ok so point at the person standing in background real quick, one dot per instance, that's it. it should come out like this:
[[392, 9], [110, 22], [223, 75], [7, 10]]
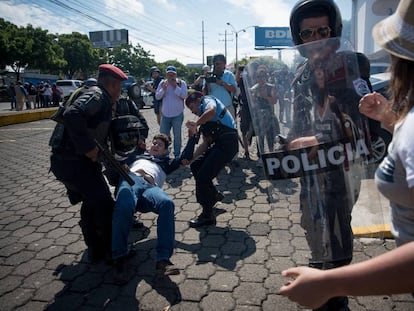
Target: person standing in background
[[12, 95], [47, 95], [21, 95], [156, 77], [246, 126], [222, 83], [32, 95], [200, 81], [172, 91], [56, 95]]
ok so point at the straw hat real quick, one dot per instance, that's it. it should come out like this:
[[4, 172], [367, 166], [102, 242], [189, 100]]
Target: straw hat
[[396, 32]]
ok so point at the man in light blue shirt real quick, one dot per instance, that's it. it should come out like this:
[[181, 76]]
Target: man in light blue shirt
[[172, 92], [222, 84]]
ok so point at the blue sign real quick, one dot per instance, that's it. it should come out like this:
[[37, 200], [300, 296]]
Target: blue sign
[[272, 37]]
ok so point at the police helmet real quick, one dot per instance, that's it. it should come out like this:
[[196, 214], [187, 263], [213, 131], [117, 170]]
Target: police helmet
[[314, 8], [154, 69], [124, 135], [134, 91], [91, 82]]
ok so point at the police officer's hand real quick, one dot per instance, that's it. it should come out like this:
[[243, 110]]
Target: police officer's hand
[[192, 126], [93, 154], [142, 145], [302, 142], [185, 162], [192, 131], [125, 167]]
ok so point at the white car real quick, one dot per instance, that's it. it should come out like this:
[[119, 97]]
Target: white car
[[146, 97], [68, 86]]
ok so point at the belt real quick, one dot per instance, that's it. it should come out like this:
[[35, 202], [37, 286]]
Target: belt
[[147, 177]]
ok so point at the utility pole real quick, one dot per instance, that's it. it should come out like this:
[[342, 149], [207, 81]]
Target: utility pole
[[236, 33], [225, 42]]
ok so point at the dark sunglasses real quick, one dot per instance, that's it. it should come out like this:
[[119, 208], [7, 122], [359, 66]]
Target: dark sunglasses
[[307, 33]]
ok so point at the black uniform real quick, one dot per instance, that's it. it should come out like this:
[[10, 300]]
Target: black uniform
[[86, 119]]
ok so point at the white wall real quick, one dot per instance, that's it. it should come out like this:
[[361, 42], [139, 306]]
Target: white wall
[[365, 14]]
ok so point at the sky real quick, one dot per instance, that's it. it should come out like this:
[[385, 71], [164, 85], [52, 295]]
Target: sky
[[168, 29]]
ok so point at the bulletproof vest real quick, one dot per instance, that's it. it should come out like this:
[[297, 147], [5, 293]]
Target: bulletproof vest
[[59, 139], [127, 127], [128, 107]]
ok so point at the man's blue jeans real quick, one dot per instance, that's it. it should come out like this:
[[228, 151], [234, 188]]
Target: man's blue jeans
[[176, 123], [142, 197]]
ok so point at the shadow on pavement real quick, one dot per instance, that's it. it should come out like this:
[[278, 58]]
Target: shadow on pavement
[[221, 246], [92, 285]]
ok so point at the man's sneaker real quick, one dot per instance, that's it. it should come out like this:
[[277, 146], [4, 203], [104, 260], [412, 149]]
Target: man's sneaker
[[166, 267]]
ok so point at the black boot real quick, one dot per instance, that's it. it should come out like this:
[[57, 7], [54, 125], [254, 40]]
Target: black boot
[[96, 253], [205, 219], [335, 304]]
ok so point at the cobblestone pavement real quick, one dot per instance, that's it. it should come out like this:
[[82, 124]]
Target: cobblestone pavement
[[233, 266]]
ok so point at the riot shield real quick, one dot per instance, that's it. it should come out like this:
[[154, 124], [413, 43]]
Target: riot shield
[[304, 109]]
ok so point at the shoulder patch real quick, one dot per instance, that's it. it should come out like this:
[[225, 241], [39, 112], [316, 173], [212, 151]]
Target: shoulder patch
[[361, 87]]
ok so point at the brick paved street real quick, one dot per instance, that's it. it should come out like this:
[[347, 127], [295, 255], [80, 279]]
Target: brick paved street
[[233, 266]]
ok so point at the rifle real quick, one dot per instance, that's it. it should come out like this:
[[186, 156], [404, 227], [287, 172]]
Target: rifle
[[113, 163]]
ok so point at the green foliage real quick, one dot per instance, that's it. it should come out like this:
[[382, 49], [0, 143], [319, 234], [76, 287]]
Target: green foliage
[[132, 60], [73, 56], [7, 29], [78, 52]]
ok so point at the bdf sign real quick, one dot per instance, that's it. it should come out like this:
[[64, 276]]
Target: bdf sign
[[272, 37]]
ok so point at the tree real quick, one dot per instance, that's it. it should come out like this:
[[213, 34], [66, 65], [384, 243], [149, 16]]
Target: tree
[[79, 54], [133, 60], [18, 49], [28, 47], [46, 54], [7, 29]]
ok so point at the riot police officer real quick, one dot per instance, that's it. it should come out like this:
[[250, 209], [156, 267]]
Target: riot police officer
[[325, 109], [74, 158]]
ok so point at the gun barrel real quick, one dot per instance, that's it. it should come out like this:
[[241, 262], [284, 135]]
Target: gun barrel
[[110, 160]]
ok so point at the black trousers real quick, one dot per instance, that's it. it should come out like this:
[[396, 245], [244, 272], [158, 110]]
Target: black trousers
[[84, 182], [208, 166]]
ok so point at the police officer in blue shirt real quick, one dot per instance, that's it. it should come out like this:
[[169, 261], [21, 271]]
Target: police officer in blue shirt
[[219, 146]]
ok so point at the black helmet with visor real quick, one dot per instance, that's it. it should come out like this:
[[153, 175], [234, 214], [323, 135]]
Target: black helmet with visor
[[315, 8]]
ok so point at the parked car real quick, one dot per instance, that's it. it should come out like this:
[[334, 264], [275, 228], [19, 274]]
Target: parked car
[[380, 137], [378, 68], [146, 97], [68, 86]]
